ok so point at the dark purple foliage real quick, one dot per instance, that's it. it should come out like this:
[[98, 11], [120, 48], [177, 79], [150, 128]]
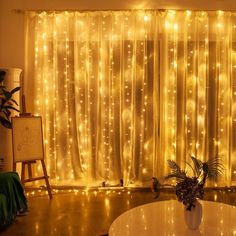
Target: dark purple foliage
[[188, 190]]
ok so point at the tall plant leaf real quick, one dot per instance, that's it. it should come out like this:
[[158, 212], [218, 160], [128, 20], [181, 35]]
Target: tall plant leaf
[[213, 168], [7, 113], [175, 171], [2, 75], [197, 165], [6, 102], [7, 94], [6, 123], [190, 166], [14, 101], [15, 90], [11, 108]]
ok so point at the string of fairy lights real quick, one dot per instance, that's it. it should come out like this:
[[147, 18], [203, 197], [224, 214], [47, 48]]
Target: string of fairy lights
[[121, 92]]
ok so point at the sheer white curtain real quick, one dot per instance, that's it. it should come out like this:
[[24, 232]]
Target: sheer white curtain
[[121, 92]]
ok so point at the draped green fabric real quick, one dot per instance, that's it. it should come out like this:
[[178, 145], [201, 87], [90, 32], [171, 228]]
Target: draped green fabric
[[12, 198]]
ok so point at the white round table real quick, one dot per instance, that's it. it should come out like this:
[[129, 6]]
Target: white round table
[[167, 218]]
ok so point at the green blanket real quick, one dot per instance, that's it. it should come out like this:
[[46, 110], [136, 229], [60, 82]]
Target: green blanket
[[12, 198]]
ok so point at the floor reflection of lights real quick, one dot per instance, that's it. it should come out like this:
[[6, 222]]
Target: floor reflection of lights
[[73, 211]]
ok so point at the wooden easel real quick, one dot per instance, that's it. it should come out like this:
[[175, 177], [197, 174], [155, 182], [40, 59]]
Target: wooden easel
[[28, 161], [30, 176]]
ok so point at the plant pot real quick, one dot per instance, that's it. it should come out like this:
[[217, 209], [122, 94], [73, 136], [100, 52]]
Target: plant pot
[[193, 218]]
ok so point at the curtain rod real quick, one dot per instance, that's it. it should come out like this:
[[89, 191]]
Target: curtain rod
[[135, 9]]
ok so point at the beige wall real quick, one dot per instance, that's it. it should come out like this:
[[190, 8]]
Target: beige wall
[[12, 23]]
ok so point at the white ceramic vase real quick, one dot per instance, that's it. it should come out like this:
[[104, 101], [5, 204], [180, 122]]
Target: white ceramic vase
[[193, 218]]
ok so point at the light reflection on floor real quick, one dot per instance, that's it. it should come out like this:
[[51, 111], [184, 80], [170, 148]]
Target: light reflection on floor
[[89, 211]]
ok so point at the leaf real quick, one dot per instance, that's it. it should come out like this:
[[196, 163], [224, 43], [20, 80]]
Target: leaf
[[197, 165], [6, 102], [7, 113], [213, 168], [7, 94], [2, 75], [15, 90], [190, 167], [13, 100], [173, 165], [11, 107], [176, 171], [6, 123]]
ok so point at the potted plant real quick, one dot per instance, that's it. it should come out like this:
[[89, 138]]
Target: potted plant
[[190, 188], [7, 103]]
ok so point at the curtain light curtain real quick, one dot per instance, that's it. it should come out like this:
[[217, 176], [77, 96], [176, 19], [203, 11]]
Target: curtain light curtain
[[121, 92]]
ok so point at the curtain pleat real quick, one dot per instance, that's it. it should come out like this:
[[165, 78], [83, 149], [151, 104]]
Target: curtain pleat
[[121, 92]]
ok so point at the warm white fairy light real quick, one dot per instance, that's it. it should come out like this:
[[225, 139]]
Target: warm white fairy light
[[170, 86], [67, 114], [223, 81], [107, 63], [143, 106], [201, 80], [190, 85]]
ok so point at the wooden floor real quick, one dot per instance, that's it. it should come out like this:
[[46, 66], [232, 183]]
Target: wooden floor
[[87, 213]]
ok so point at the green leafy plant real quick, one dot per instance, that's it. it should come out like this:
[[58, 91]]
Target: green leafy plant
[[189, 188], [7, 103]]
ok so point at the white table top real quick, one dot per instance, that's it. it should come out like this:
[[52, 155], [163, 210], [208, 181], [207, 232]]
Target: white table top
[[167, 218]]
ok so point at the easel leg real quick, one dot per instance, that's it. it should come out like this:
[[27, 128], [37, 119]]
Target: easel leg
[[14, 166], [23, 174], [46, 179], [29, 170]]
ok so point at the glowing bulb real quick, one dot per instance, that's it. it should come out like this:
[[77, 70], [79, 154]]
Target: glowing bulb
[[167, 24], [188, 13], [175, 26], [145, 18]]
